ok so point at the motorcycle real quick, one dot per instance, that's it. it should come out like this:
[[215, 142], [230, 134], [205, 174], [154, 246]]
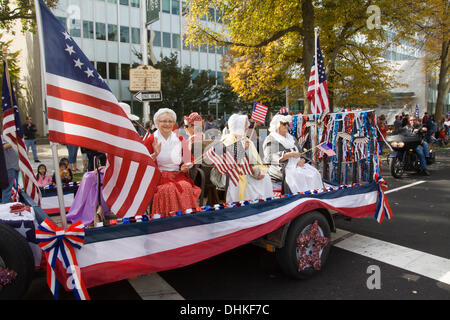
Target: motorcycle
[[404, 157]]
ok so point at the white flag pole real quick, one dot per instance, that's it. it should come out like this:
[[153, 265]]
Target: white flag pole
[[62, 208], [316, 87]]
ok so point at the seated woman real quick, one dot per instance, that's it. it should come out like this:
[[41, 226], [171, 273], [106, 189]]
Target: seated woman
[[176, 190], [43, 178], [250, 187], [281, 148], [194, 129]]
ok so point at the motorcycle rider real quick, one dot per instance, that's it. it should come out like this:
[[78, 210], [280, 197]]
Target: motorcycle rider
[[422, 150]]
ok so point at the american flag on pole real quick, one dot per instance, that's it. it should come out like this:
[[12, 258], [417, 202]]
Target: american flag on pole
[[83, 111], [12, 131], [318, 91], [259, 112], [327, 148]]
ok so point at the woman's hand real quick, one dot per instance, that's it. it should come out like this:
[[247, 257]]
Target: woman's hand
[[185, 167], [260, 175], [156, 147], [246, 144], [302, 162]]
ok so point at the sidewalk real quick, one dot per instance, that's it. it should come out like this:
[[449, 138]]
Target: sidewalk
[[46, 157]]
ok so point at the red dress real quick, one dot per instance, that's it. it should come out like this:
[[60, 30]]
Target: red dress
[[175, 191]]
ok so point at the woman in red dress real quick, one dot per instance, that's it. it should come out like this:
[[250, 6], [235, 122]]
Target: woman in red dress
[[176, 191]]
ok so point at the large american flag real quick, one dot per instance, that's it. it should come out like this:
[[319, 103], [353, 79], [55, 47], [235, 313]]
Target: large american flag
[[82, 111], [259, 112], [318, 92], [12, 130]]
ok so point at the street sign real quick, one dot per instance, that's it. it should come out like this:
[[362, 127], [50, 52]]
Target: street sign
[[152, 11], [150, 96], [145, 78]]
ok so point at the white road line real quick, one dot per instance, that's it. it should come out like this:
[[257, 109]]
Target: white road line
[[404, 187], [425, 264], [153, 287]]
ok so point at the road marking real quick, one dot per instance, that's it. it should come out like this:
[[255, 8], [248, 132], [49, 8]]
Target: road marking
[[153, 287], [404, 187], [425, 264]]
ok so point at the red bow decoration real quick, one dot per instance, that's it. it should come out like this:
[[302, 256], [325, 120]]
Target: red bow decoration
[[383, 208]]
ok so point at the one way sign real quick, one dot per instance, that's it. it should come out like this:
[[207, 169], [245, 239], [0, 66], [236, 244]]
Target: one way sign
[[154, 96]]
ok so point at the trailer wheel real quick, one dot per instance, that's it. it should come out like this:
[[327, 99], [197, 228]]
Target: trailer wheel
[[16, 255], [289, 256]]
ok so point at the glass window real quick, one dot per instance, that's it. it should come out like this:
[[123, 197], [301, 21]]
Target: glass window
[[124, 2], [212, 74], [136, 35], [63, 21], [219, 77], [219, 17], [124, 34], [157, 39], [101, 69], [125, 70], [113, 71], [112, 1], [166, 40], [176, 41], [75, 28], [185, 47], [194, 74], [166, 6], [100, 31], [135, 3], [112, 32], [211, 16], [211, 49], [184, 8], [175, 7], [204, 48], [220, 50], [88, 29]]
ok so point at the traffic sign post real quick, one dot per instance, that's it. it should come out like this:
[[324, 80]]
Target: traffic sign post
[[148, 96]]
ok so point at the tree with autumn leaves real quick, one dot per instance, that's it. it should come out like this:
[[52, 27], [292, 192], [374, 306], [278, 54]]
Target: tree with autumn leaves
[[272, 45]]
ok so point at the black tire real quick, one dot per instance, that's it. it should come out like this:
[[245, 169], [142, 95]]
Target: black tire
[[15, 254], [396, 168], [287, 255]]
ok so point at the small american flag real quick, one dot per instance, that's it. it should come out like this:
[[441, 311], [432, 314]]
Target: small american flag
[[82, 111], [416, 114], [259, 112], [318, 93], [327, 148], [224, 161], [12, 130], [284, 110]]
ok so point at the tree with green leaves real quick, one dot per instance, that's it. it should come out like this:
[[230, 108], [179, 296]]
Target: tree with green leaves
[[20, 10]]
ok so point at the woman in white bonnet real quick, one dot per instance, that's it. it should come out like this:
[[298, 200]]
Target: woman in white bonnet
[[175, 191], [250, 187], [281, 148]]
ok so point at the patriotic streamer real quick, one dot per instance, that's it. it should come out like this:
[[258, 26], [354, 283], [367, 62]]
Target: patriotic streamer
[[383, 208], [58, 243]]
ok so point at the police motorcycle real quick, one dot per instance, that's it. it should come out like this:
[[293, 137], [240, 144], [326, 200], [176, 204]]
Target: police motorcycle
[[404, 156]]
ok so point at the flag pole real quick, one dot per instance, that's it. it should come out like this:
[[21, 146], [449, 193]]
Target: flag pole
[[54, 145], [316, 87]]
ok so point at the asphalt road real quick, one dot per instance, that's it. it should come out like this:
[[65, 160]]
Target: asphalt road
[[420, 225]]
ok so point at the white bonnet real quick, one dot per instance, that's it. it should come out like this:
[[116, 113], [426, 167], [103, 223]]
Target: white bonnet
[[238, 124], [275, 123], [161, 112]]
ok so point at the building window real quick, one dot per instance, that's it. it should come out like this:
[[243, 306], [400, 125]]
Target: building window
[[157, 39], [75, 28], [166, 6], [113, 70], [176, 41], [112, 1], [124, 34], [184, 8], [176, 7], [124, 2], [135, 35], [204, 48], [112, 32], [211, 49], [166, 40], [63, 21], [185, 46], [220, 50], [125, 71], [101, 69], [88, 29], [100, 31], [211, 16], [135, 3]]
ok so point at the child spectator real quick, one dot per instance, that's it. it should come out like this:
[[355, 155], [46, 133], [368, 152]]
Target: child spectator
[[43, 178], [64, 172]]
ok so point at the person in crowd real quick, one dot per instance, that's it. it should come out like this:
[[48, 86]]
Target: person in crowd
[[193, 125], [29, 136], [221, 123], [84, 158], [175, 191], [397, 124], [64, 172], [425, 118], [382, 131], [210, 123], [12, 167], [73, 154], [150, 127], [43, 178], [405, 120], [431, 130], [282, 150], [250, 187]]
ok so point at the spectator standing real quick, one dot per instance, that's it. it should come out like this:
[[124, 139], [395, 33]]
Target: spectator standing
[[29, 135], [210, 123], [382, 130], [425, 118], [397, 123], [73, 153], [12, 166]]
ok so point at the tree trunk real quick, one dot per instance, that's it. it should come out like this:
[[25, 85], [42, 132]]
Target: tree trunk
[[308, 46], [443, 85]]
